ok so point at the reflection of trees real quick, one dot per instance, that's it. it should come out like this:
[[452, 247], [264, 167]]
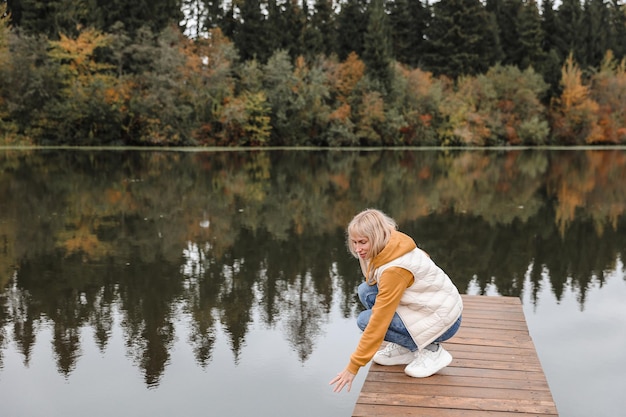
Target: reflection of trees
[[235, 237], [148, 294], [202, 301]]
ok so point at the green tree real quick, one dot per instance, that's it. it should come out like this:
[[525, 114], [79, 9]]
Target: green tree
[[30, 81], [377, 50], [462, 39], [278, 84], [298, 94], [201, 16], [408, 20], [596, 32], [311, 39], [52, 17], [214, 13], [230, 23], [617, 24], [250, 34], [155, 14], [519, 31], [531, 37], [551, 69], [569, 33], [310, 103], [276, 26], [352, 23], [295, 22], [507, 13], [323, 23]]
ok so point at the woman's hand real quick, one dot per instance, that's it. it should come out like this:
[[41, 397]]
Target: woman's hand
[[343, 378]]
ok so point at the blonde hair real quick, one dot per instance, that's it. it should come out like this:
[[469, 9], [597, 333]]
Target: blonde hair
[[373, 224]]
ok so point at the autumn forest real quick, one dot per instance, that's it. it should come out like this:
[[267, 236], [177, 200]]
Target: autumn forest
[[312, 73]]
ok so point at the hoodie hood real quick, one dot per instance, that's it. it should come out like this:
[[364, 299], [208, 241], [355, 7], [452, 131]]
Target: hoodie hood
[[399, 244]]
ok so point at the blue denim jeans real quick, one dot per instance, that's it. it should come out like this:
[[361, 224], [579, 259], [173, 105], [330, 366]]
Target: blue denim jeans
[[397, 332]]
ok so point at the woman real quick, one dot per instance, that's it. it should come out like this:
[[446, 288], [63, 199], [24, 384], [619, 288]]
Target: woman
[[410, 302]]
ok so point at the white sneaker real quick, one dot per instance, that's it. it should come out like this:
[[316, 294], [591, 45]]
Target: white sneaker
[[427, 363], [393, 354]]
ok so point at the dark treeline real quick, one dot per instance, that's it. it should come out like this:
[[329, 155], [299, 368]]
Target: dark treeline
[[321, 73]]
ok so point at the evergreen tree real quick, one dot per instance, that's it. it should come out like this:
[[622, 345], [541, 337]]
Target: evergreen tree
[[250, 35], [276, 26], [323, 24], [352, 23], [617, 38], [377, 51], [507, 14], [69, 17], [214, 13], [201, 16], [552, 65], [52, 17], [229, 23], [155, 14], [462, 39], [311, 39], [531, 37], [295, 21], [408, 19], [14, 7], [596, 32], [569, 30], [548, 23]]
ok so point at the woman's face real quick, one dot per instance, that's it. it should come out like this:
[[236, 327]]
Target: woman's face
[[361, 246]]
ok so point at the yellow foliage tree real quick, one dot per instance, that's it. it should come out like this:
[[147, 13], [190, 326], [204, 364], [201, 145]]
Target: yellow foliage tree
[[77, 55], [575, 112]]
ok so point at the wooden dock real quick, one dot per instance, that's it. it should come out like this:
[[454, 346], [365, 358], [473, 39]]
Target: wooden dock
[[495, 372]]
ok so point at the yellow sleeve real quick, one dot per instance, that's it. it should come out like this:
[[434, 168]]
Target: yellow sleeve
[[391, 286]]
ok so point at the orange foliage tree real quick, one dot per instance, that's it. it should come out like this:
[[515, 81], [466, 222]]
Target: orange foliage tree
[[343, 79], [608, 89]]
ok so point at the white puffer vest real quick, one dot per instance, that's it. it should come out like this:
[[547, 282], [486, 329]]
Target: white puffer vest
[[432, 304]]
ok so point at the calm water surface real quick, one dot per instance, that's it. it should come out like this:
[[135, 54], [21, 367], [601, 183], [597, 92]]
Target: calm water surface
[[161, 283]]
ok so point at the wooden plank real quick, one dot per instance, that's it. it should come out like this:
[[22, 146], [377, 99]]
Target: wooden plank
[[463, 391], [495, 372], [400, 411]]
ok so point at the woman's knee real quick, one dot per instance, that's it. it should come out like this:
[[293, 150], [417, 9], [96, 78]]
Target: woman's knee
[[367, 294], [363, 319], [451, 331]]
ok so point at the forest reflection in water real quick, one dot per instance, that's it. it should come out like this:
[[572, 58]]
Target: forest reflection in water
[[146, 259]]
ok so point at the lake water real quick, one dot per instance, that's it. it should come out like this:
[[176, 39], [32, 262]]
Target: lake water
[[195, 283]]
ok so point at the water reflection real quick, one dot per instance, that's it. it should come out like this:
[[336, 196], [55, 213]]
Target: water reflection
[[234, 240]]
